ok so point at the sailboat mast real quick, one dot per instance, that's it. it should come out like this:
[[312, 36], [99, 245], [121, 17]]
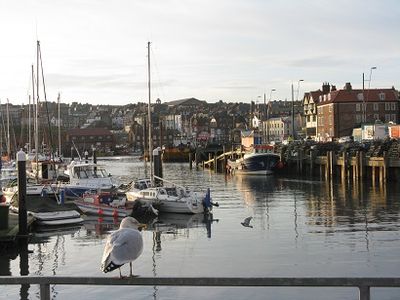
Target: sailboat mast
[[8, 130], [59, 126], [149, 114], [37, 110], [30, 107]]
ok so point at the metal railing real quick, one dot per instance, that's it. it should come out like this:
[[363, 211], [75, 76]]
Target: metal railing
[[363, 284]]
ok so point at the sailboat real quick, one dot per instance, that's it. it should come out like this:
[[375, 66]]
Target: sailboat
[[173, 198], [45, 211]]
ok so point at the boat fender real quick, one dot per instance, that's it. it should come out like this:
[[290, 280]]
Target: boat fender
[[115, 213], [62, 196], [44, 192], [100, 212]]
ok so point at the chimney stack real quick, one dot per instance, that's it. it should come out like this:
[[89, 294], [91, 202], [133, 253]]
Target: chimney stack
[[326, 88], [347, 87]]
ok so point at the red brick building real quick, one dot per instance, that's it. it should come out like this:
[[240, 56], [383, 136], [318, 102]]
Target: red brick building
[[339, 111], [86, 138]]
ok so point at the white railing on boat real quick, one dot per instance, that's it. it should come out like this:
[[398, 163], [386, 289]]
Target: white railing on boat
[[363, 284]]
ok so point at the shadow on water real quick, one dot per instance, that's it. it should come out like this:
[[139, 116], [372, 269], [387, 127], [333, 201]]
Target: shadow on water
[[20, 249]]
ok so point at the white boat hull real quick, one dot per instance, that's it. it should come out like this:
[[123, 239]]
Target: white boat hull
[[180, 207], [102, 210], [56, 218]]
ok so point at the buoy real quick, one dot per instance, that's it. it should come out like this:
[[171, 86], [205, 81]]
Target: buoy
[[115, 213], [100, 211]]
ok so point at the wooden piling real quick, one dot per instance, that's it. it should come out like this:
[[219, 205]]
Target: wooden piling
[[312, 157], [196, 159], [385, 168], [327, 160], [344, 166], [215, 162], [22, 211], [362, 165]]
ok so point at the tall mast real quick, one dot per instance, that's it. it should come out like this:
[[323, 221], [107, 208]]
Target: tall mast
[[33, 106], [8, 131], [37, 109], [149, 114], [59, 126]]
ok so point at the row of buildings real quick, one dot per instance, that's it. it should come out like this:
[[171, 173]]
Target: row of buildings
[[325, 114], [330, 113]]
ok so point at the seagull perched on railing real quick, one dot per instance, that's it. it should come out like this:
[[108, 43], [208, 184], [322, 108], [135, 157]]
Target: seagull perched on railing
[[246, 222], [123, 246]]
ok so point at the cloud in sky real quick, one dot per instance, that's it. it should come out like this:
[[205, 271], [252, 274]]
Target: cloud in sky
[[95, 51]]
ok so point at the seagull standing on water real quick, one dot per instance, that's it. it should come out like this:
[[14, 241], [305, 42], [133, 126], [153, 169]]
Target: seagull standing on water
[[123, 246], [246, 222]]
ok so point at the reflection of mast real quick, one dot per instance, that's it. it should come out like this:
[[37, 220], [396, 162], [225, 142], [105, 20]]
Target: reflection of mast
[[365, 211], [156, 248], [295, 215]]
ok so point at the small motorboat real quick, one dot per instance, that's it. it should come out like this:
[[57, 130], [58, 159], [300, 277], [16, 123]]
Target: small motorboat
[[57, 218], [104, 204]]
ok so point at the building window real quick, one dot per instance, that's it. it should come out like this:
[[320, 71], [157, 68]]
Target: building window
[[387, 118], [387, 106], [360, 96], [376, 106], [358, 118], [393, 118], [358, 107], [376, 116], [393, 105], [382, 96]]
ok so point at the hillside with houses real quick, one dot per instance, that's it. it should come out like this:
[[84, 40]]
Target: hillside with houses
[[327, 114]]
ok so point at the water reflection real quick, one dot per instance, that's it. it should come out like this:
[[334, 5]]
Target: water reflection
[[340, 206]]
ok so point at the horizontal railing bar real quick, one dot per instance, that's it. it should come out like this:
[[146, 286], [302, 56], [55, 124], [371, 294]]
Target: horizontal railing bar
[[208, 281]]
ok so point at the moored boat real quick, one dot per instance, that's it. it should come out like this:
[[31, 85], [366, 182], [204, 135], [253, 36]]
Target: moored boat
[[259, 160], [104, 204], [85, 176], [174, 198], [47, 212], [57, 218]]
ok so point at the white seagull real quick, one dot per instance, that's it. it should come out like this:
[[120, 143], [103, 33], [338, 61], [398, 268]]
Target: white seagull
[[122, 246]]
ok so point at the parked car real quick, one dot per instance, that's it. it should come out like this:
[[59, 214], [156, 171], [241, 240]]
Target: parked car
[[346, 139]]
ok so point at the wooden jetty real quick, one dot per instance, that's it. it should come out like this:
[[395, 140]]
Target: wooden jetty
[[346, 164]]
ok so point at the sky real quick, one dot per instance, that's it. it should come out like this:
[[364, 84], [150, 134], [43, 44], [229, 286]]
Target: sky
[[95, 51]]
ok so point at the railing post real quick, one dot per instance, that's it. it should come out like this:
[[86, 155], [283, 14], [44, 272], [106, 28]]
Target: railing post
[[364, 292], [44, 291]]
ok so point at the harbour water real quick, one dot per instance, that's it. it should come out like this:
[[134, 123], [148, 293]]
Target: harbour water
[[301, 227]]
